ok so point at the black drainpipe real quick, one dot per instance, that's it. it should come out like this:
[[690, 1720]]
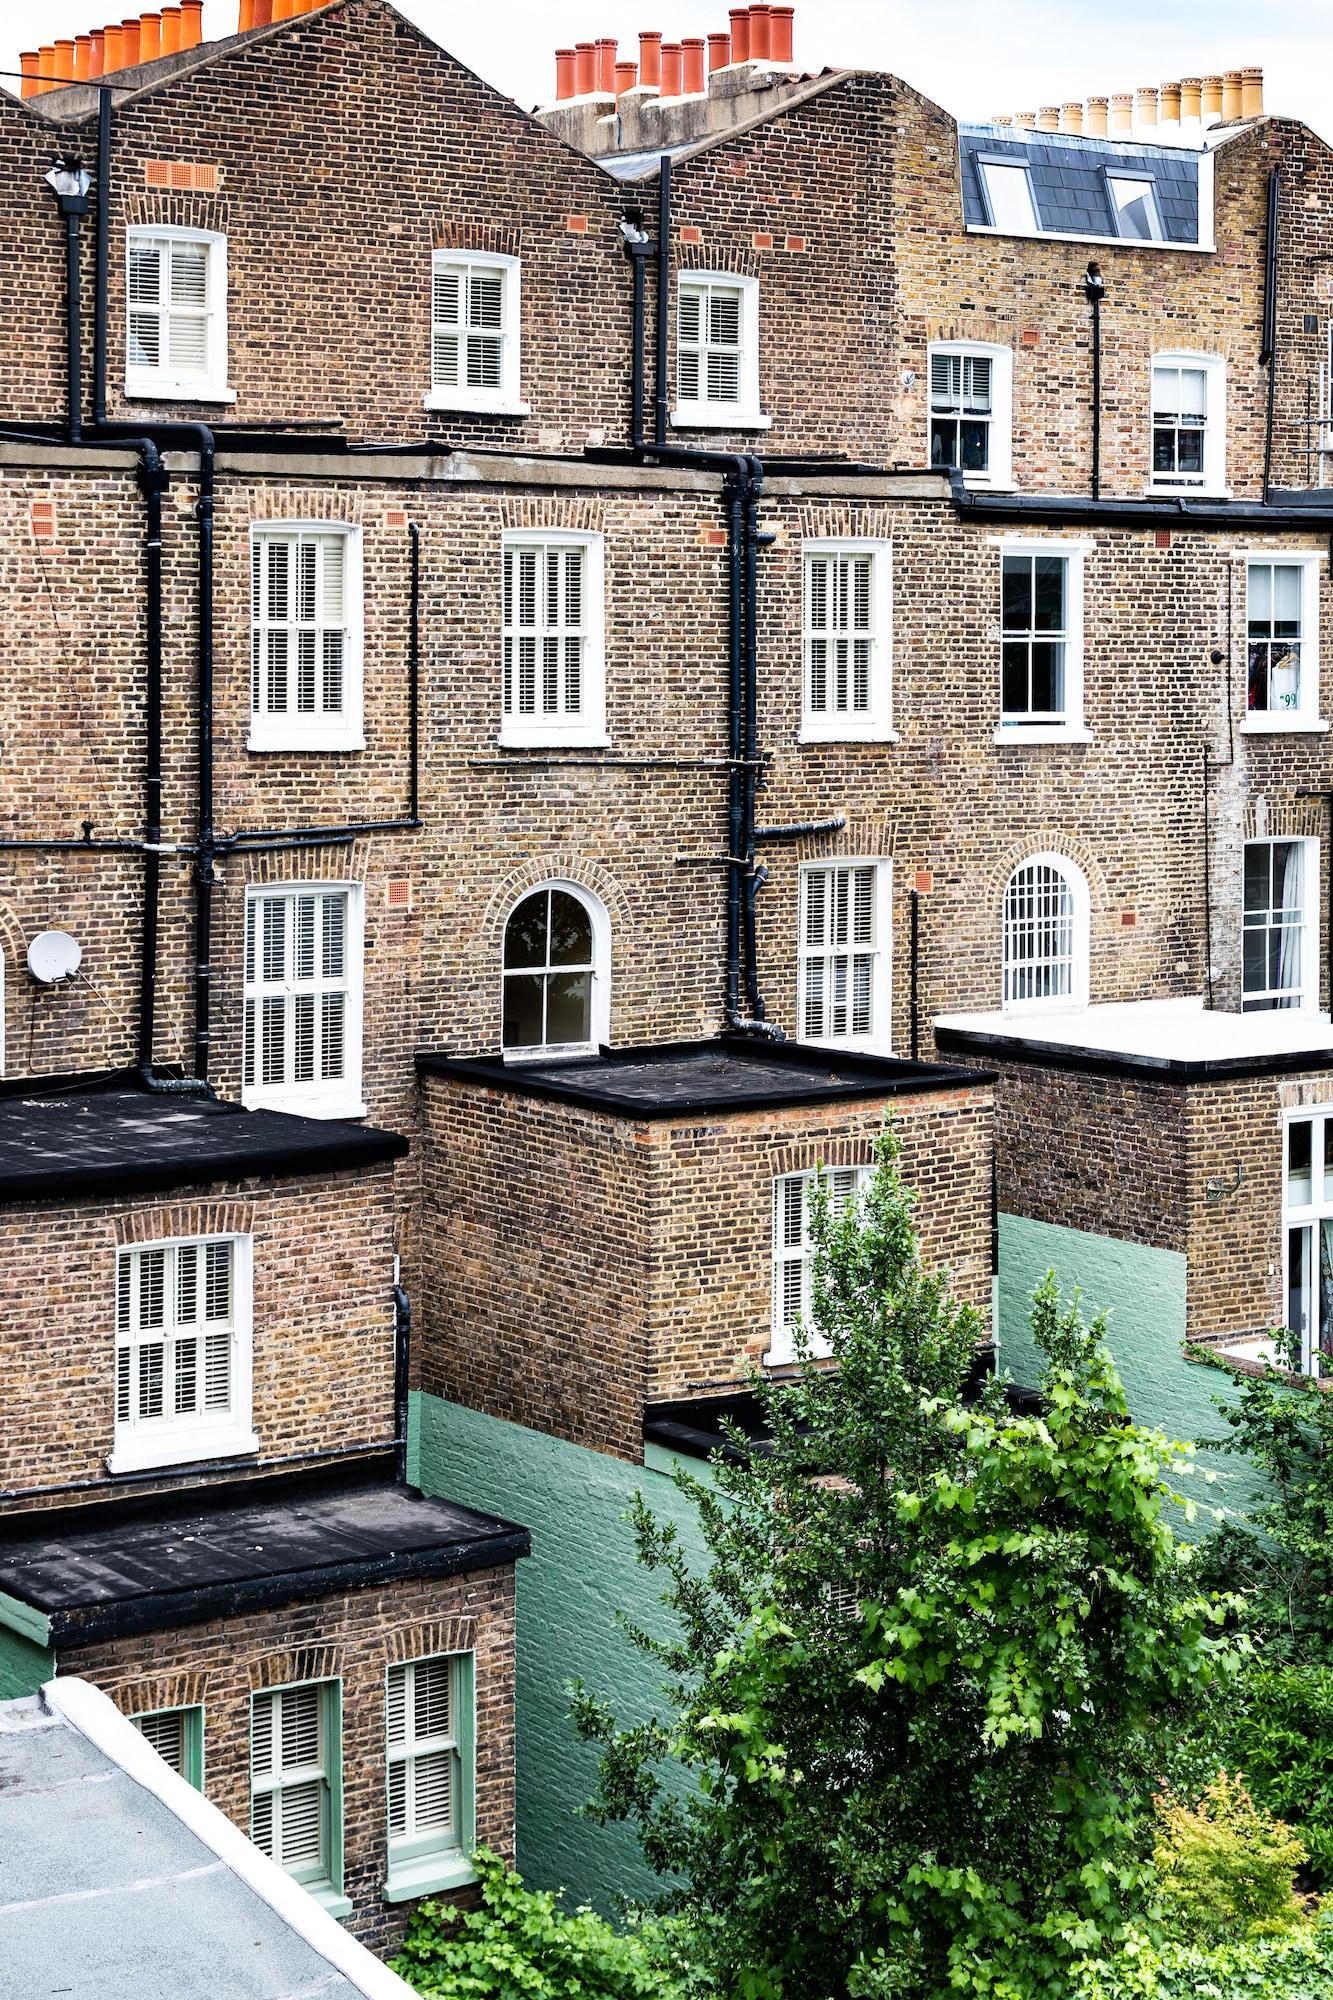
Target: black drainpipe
[[414, 677], [663, 300], [101, 243], [914, 1039], [1268, 353], [638, 248], [402, 1347], [1094, 287]]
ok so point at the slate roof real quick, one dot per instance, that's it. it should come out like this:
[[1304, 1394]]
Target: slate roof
[[63, 1139], [1068, 176], [733, 1073]]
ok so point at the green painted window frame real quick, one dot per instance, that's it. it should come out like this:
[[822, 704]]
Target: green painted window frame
[[192, 1746], [328, 1890], [427, 1870]]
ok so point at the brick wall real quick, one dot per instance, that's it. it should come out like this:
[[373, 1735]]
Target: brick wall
[[352, 1637], [323, 1318]]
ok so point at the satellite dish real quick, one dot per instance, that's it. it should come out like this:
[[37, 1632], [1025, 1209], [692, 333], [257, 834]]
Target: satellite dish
[[53, 956]]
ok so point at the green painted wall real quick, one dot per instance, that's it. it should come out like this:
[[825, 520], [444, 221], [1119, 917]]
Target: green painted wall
[[24, 1666], [581, 1572], [1143, 1292]]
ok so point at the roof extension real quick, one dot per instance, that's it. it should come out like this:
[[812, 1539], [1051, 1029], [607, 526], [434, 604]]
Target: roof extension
[[733, 1073], [1174, 1041], [62, 1137], [1069, 178], [75, 1575]]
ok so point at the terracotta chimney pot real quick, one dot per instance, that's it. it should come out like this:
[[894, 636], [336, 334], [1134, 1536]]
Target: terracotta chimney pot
[[1191, 92], [1122, 111], [192, 23], [627, 77], [564, 73], [781, 19], [114, 49], [1231, 94], [1071, 117], [1096, 123], [1251, 93], [171, 28], [719, 52], [1212, 98], [247, 17], [1048, 118], [606, 66], [64, 62], [96, 52], [129, 43], [650, 58], [1027, 119], [740, 34], [585, 68], [1002, 118], [761, 32], [671, 69], [30, 63], [1170, 103], [692, 64], [82, 50], [1145, 109], [150, 37], [282, 11]]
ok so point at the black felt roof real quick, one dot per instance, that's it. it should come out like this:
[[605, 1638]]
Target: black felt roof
[[115, 1139], [1068, 176], [733, 1073], [95, 1572]]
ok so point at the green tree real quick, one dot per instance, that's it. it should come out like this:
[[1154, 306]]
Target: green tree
[[934, 1666]]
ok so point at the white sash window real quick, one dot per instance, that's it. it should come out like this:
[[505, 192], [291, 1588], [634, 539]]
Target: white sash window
[[303, 999], [305, 659], [183, 1333], [793, 1253], [176, 315], [552, 664], [474, 333], [844, 954]]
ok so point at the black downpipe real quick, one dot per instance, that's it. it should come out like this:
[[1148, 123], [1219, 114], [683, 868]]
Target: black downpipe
[[662, 302], [735, 802], [914, 980], [638, 248], [402, 1348], [1327, 798], [755, 876], [1268, 354], [73, 324], [414, 677], [101, 243], [1094, 286]]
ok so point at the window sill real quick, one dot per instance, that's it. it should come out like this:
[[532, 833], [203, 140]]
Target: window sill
[[1031, 732], [515, 737], [1167, 492], [159, 389], [303, 1102], [1284, 725], [708, 417], [275, 740], [484, 406], [869, 732], [330, 1899], [551, 1052], [182, 1447], [427, 1874]]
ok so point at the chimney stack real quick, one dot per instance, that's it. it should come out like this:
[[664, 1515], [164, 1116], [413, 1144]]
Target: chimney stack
[[1097, 107], [1251, 93], [671, 69], [740, 34], [1231, 95], [650, 59]]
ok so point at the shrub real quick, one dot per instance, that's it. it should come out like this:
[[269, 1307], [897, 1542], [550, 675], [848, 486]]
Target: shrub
[[1225, 1867], [1281, 1738], [520, 1945], [1296, 1967]]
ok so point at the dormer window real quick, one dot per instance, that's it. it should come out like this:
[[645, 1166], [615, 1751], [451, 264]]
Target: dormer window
[[1008, 190], [1134, 207]]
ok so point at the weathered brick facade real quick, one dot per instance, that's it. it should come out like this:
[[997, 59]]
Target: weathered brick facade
[[351, 1638]]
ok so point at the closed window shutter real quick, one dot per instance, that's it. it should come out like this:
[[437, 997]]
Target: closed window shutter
[[792, 1248], [174, 1332], [840, 634], [300, 625], [545, 634], [289, 1813], [840, 950], [689, 320], [423, 1753], [166, 1733], [144, 286], [188, 309], [297, 982], [945, 380], [469, 304], [447, 301]]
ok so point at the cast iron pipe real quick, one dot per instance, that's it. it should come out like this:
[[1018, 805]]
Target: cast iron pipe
[[73, 213], [638, 248], [1094, 287], [101, 240], [1268, 352], [662, 303], [914, 979], [402, 1348]]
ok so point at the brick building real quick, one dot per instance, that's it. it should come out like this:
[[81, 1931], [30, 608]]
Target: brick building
[[737, 554]]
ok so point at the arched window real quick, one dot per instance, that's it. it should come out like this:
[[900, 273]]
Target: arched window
[[1046, 934], [556, 973]]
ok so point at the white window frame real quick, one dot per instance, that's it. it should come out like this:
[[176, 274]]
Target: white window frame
[[1073, 728], [290, 729], [1305, 715], [600, 1003], [999, 472], [321, 1098], [1213, 482], [324, 1879], [1306, 988], [1081, 940], [419, 1864], [746, 413], [141, 1444], [782, 1344], [1124, 177], [209, 385], [875, 724], [1311, 1216], [587, 729], [507, 399], [1007, 164], [879, 1039]]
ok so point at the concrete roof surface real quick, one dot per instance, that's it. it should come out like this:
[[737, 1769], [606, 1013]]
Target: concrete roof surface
[[107, 1893]]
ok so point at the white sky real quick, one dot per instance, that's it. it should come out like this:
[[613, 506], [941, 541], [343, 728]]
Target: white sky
[[993, 55]]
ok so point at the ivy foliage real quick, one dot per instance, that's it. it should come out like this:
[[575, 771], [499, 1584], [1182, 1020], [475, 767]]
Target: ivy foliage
[[1298, 1966], [932, 1672], [520, 1945], [1280, 1734]]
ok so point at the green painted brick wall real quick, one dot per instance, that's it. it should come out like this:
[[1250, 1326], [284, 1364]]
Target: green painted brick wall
[[24, 1666], [1143, 1292], [581, 1572]]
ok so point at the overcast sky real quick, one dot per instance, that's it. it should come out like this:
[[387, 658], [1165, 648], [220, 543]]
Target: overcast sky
[[973, 56]]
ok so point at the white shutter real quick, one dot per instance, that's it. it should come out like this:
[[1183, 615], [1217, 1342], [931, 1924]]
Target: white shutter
[[423, 1776], [446, 332], [166, 1732], [840, 952], [144, 287]]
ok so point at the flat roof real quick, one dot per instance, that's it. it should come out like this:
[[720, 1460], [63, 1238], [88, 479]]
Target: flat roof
[[62, 1137], [732, 1073], [119, 1881], [71, 1576], [1179, 1040]]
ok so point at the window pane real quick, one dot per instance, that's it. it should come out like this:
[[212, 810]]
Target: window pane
[[571, 930], [1299, 1136], [569, 1007], [523, 996], [1010, 196], [1016, 594], [526, 932], [1049, 614]]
